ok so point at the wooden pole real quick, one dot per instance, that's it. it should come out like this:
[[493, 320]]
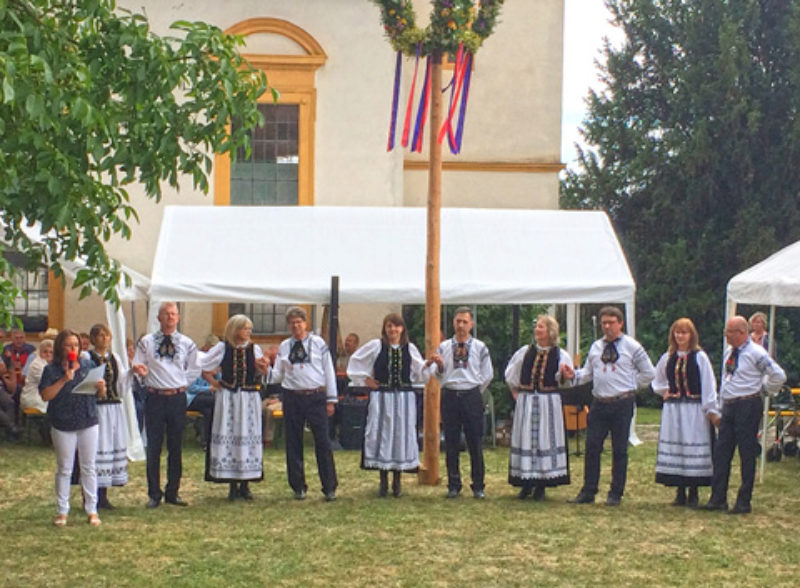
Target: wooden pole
[[429, 470]]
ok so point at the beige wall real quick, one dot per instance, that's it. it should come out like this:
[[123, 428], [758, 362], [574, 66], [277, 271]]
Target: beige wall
[[514, 117]]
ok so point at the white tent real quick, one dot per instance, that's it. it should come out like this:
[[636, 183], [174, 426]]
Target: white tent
[[488, 256], [774, 282]]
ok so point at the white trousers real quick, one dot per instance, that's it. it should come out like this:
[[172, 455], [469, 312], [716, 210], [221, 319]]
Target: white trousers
[[65, 444]]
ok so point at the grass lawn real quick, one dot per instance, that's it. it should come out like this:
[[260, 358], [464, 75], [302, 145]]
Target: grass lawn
[[420, 539]]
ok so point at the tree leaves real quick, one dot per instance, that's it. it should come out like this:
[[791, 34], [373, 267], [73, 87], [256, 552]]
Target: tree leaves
[[93, 101]]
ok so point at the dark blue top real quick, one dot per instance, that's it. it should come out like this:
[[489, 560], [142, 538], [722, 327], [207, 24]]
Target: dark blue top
[[68, 411]]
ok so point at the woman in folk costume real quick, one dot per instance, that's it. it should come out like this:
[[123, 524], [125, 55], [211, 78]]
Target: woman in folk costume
[[235, 450], [389, 366], [112, 443], [685, 379], [538, 456]]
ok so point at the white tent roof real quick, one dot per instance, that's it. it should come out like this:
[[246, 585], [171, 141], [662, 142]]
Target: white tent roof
[[774, 281], [288, 254]]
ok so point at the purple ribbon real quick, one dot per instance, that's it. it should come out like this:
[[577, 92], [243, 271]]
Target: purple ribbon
[[395, 98]]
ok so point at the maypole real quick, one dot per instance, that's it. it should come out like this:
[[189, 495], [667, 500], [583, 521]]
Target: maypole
[[457, 27]]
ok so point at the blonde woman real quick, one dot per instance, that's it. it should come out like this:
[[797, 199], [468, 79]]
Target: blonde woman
[[538, 456], [235, 450], [685, 379]]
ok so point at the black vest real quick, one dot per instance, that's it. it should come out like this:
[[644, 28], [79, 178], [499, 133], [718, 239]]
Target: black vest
[[382, 370], [111, 376], [239, 368], [550, 368], [688, 388]]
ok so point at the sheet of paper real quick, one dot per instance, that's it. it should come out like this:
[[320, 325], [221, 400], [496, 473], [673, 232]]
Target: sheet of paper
[[87, 386]]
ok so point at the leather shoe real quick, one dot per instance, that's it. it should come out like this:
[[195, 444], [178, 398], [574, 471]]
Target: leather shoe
[[453, 493], [152, 503], [244, 491], [740, 509], [613, 500], [538, 493], [176, 501], [479, 494], [525, 492], [723, 506], [299, 494], [330, 496], [582, 498]]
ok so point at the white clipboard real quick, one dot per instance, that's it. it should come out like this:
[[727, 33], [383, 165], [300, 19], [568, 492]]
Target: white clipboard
[[87, 386]]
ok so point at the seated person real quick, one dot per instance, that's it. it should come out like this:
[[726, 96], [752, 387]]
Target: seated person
[[200, 397], [8, 383], [271, 401]]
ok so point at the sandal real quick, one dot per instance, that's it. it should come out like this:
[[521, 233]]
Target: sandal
[[94, 520], [60, 520]]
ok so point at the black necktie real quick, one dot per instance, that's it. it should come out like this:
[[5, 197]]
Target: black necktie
[[298, 353], [610, 353], [167, 347]]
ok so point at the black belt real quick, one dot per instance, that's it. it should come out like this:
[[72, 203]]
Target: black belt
[[305, 392], [463, 392], [740, 398]]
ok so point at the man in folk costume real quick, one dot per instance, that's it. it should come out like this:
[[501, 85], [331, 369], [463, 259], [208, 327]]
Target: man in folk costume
[[538, 457], [746, 368], [464, 369], [305, 369], [617, 365], [167, 360]]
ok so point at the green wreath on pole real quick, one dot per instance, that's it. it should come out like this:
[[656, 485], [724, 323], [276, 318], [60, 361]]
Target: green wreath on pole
[[452, 23]]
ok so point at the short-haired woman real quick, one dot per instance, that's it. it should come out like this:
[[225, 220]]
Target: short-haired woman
[[235, 450], [538, 456]]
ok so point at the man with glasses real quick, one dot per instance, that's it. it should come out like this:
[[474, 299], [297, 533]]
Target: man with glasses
[[617, 365], [746, 368]]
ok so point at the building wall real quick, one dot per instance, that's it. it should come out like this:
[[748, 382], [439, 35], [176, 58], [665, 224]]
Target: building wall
[[513, 119]]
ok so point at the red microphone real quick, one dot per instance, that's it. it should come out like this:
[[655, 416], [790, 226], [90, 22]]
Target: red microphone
[[72, 356]]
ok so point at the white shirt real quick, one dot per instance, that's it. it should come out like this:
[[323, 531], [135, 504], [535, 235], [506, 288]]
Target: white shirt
[[513, 373], [315, 372], [212, 359], [477, 373], [754, 369], [360, 366], [632, 370], [708, 384], [164, 373]]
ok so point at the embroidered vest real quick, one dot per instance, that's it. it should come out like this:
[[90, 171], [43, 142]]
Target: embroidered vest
[[239, 368], [683, 377], [545, 378], [393, 372], [111, 376]]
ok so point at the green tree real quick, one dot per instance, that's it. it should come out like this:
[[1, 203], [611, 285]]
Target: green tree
[[91, 101], [693, 147]]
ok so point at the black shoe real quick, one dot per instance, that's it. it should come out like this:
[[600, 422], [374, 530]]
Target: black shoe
[[740, 509], [479, 494], [152, 503], [613, 500], [330, 496], [299, 494], [524, 492], [453, 493], [538, 493], [723, 506], [104, 504], [176, 501], [233, 493], [383, 487], [244, 491], [680, 497], [582, 498]]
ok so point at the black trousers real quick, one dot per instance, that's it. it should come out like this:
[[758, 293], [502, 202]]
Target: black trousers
[[164, 413], [297, 410], [604, 418], [738, 428], [463, 409]]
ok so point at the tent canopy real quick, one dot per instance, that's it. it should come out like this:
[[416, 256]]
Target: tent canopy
[[288, 255], [775, 281]]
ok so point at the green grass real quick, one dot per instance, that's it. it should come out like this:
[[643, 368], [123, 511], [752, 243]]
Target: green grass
[[419, 540]]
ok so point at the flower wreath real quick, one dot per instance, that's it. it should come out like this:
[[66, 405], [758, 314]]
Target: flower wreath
[[453, 23]]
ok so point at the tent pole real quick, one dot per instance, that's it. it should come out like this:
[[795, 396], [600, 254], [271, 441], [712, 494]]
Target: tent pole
[[765, 416], [333, 320], [514, 328]]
